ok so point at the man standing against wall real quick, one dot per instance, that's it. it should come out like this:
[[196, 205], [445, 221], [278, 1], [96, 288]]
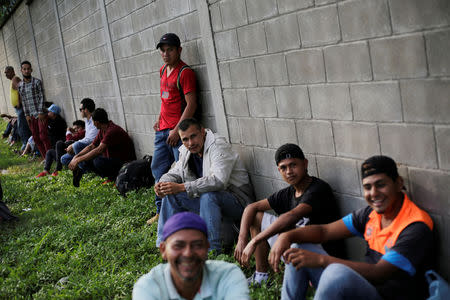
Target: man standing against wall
[[32, 96], [24, 131], [178, 102]]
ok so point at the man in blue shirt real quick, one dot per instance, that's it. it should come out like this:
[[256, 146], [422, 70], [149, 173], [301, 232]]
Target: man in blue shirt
[[188, 275]]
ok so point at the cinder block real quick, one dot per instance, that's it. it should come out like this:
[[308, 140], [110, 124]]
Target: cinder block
[[409, 144], [341, 174], [121, 28], [315, 137], [438, 44], [265, 163], [252, 39], [225, 76], [323, 2], [319, 26], [430, 190], [376, 101], [410, 15], [262, 186], [128, 46], [207, 104], [235, 103], [280, 132], [293, 102], [191, 26], [306, 66], [441, 229], [261, 9], [312, 165], [246, 155], [271, 70], [348, 204], [289, 39], [202, 78], [358, 140], [234, 13], [233, 130], [261, 102], [226, 44], [426, 100], [398, 57], [361, 19], [443, 146], [216, 19], [190, 53], [243, 73], [331, 101], [253, 132], [348, 62], [285, 6]]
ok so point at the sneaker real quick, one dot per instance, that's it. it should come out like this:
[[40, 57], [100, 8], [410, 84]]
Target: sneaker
[[55, 173], [252, 280], [153, 219], [77, 174], [42, 174]]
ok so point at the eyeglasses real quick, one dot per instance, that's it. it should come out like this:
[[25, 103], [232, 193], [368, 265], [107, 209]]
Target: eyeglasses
[[81, 109]]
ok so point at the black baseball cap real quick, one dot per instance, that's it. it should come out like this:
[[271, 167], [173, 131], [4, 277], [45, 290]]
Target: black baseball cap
[[288, 151], [379, 164], [169, 39]]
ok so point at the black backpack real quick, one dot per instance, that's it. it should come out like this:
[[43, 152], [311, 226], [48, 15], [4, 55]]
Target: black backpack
[[135, 175]]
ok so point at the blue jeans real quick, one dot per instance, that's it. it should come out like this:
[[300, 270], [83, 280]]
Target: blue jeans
[[22, 127], [341, 282], [211, 206], [296, 282], [102, 166], [77, 147], [163, 157]]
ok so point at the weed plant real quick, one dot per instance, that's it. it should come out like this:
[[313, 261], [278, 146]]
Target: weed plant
[[77, 243]]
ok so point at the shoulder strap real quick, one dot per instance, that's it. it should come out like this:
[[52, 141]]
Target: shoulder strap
[[180, 88], [162, 71]]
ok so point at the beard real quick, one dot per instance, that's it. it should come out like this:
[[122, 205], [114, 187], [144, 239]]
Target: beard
[[27, 76], [196, 260]]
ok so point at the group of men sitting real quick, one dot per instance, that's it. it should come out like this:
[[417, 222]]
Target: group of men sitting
[[209, 185]]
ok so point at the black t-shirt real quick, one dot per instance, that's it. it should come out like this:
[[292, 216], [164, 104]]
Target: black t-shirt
[[412, 253], [320, 197]]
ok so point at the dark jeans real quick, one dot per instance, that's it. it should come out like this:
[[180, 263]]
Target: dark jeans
[[55, 154], [102, 166], [22, 127]]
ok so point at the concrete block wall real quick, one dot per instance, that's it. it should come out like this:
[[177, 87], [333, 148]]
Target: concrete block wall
[[343, 79]]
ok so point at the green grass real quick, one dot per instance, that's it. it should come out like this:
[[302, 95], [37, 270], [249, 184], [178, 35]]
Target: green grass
[[77, 243]]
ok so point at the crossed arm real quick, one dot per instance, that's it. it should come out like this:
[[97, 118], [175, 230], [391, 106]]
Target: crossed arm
[[299, 258]]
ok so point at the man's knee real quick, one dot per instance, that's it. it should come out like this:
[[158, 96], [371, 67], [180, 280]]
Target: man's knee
[[77, 147], [335, 275]]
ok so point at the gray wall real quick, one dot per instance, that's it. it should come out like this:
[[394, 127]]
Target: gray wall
[[343, 79]]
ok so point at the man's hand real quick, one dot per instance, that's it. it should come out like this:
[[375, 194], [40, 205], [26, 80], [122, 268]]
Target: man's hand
[[156, 126], [168, 188], [69, 149], [280, 246], [42, 117], [28, 119], [173, 138], [247, 253], [73, 164], [240, 246], [303, 258]]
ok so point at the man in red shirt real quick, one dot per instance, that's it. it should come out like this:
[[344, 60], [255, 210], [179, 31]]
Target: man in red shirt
[[111, 148], [178, 102]]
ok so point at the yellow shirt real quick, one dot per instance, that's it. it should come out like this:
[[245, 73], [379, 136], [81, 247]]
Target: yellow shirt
[[14, 96]]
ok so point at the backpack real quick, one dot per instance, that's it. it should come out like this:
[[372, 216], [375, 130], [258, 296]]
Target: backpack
[[198, 110], [135, 175]]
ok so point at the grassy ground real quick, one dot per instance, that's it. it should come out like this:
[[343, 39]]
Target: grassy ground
[[76, 243]]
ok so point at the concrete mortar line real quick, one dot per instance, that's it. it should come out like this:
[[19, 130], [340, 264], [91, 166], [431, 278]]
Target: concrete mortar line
[[63, 50], [114, 76]]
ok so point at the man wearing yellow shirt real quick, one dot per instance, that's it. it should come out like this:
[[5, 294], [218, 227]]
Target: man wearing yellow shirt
[[22, 125]]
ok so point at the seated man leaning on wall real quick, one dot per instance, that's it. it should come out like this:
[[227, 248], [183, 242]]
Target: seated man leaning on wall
[[209, 178], [111, 148], [399, 246], [307, 200], [188, 274]]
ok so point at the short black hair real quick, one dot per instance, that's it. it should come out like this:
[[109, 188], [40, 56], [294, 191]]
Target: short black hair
[[100, 115], [288, 151], [88, 104], [186, 123], [9, 68], [25, 62], [78, 123]]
